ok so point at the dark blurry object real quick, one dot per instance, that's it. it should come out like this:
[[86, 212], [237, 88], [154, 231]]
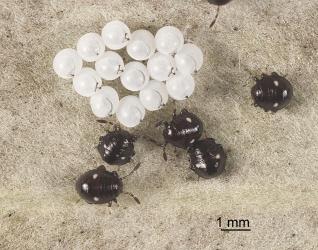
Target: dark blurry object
[[219, 2]]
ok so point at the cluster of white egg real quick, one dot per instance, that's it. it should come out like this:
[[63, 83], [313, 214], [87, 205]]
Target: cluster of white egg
[[169, 70]]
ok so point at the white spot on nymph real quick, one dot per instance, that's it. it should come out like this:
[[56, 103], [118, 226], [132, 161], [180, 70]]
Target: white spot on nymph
[[96, 199], [95, 176], [200, 165], [285, 93], [189, 119], [192, 141], [169, 132], [123, 158], [85, 187], [275, 105], [126, 142], [217, 156], [258, 92], [276, 83], [105, 146]]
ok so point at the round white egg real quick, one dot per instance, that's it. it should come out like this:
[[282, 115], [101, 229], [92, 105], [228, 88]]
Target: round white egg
[[86, 82], [104, 102], [180, 86], [130, 111], [116, 35], [161, 67], [110, 66], [67, 63], [154, 96], [189, 59], [142, 45], [90, 47], [169, 40], [135, 76]]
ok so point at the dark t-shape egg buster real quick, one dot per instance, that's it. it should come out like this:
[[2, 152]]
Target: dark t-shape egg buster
[[99, 186], [207, 158], [117, 147], [272, 92]]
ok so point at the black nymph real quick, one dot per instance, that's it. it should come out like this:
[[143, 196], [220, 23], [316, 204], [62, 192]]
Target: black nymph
[[207, 158], [100, 186], [183, 130], [272, 92], [117, 147]]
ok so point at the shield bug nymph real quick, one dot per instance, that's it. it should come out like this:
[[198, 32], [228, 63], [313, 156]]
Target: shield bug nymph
[[183, 130], [207, 158], [117, 147], [99, 186], [272, 92]]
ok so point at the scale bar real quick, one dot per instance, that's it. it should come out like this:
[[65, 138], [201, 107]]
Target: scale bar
[[235, 229]]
